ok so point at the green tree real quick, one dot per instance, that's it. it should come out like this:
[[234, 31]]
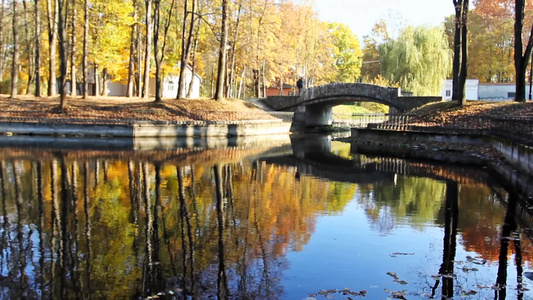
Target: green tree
[[346, 52], [419, 60]]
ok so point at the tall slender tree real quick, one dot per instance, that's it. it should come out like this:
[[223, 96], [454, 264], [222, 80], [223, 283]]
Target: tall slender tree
[[186, 45], [221, 77], [159, 58], [37, 16], [52, 14], [146, 87], [85, 60], [62, 9], [29, 46], [460, 51], [521, 55], [131, 62], [2, 45], [15, 59], [73, 49]]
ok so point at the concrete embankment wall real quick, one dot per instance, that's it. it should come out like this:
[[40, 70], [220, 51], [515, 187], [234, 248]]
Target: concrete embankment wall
[[137, 130], [518, 155]]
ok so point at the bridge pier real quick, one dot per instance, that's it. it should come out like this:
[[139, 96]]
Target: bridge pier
[[318, 115]]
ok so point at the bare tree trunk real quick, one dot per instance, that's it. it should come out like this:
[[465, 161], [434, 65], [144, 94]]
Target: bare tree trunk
[[29, 48], [464, 52], [96, 80], [15, 59], [231, 72], [257, 83], [263, 76], [160, 58], [193, 67], [148, 45], [186, 47], [521, 57], [2, 47], [85, 61], [458, 85], [52, 15], [157, 19], [129, 90], [139, 63], [243, 79], [37, 50], [62, 28], [73, 50], [219, 94], [104, 82]]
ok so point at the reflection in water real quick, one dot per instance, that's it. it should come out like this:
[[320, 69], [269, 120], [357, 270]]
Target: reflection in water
[[84, 225]]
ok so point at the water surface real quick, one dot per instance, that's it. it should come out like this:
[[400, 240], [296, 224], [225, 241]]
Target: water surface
[[255, 222]]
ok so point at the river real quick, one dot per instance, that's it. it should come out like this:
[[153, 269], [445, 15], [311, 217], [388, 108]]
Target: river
[[255, 221]]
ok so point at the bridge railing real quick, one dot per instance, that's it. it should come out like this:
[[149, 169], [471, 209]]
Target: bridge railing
[[358, 120], [518, 129]]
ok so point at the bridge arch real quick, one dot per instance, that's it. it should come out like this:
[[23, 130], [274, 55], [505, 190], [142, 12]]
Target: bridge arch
[[314, 105], [338, 93]]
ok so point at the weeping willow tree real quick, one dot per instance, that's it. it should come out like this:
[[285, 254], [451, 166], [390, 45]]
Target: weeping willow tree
[[419, 60]]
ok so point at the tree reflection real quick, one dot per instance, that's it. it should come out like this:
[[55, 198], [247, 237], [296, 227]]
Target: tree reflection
[[107, 228], [446, 272], [509, 234]]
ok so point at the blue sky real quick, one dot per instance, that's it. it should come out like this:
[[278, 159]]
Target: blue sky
[[361, 15]]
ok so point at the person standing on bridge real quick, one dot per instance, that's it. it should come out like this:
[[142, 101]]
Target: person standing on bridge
[[300, 85]]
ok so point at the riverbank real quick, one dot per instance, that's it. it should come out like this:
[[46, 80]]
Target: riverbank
[[135, 118], [122, 110]]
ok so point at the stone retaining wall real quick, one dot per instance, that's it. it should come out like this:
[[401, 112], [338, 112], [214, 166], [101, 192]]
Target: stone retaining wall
[[518, 155], [146, 130]]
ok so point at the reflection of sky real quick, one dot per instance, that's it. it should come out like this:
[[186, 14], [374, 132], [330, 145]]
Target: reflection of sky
[[344, 252]]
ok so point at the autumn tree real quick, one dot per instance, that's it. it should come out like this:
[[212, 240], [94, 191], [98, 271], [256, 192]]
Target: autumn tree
[[3, 48], [15, 57], [52, 20], [37, 16], [460, 51], [159, 58], [148, 45], [85, 55], [370, 68], [222, 52], [73, 49], [133, 49], [419, 60], [62, 28], [108, 47], [346, 52], [187, 32]]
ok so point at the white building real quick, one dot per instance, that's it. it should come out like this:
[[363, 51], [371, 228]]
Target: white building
[[170, 86], [499, 91], [484, 91], [471, 89]]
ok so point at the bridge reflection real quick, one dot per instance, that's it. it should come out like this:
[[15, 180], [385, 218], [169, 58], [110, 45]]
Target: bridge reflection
[[313, 156]]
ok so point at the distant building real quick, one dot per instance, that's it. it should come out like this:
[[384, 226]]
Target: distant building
[[288, 90], [170, 86], [498, 91], [471, 89], [483, 91]]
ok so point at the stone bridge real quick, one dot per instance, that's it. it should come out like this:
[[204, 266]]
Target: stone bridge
[[313, 105]]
